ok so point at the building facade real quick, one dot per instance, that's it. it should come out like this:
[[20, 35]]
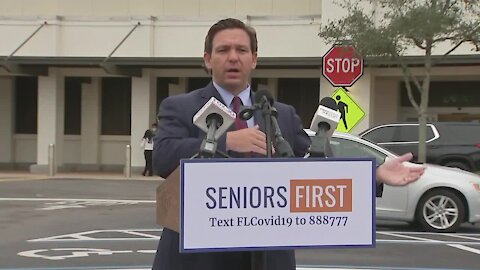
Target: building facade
[[88, 76]]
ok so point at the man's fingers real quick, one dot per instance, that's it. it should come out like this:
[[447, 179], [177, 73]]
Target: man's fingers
[[259, 150], [412, 177], [405, 157]]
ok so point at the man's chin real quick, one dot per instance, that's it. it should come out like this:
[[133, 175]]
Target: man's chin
[[234, 84]]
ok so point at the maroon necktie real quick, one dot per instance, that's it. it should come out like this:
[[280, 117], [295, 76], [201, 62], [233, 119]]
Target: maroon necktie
[[239, 123]]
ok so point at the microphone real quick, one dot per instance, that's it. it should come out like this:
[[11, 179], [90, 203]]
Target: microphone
[[326, 118], [261, 98], [214, 114], [324, 123], [264, 100], [214, 118]]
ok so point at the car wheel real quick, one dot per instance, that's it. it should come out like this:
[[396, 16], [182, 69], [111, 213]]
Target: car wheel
[[440, 211], [457, 164]]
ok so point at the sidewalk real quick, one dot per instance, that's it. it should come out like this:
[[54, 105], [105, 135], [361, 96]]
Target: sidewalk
[[24, 175]]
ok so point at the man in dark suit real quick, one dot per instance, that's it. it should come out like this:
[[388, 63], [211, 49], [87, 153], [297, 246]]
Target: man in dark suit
[[230, 55]]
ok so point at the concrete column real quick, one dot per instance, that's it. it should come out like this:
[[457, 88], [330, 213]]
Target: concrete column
[[51, 109], [6, 121], [144, 97], [385, 105], [90, 126]]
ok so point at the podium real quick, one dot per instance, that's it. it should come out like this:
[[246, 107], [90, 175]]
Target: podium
[[168, 202], [269, 204]]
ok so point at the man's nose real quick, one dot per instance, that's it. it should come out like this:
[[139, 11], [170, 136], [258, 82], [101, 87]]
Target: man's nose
[[232, 55]]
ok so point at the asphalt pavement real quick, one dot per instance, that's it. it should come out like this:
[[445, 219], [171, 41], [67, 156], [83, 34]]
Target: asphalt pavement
[[87, 221], [9, 175]]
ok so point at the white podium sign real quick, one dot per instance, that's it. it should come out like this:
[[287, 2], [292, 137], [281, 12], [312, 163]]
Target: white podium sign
[[261, 204]]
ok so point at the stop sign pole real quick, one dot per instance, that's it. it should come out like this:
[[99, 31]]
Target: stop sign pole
[[342, 65]]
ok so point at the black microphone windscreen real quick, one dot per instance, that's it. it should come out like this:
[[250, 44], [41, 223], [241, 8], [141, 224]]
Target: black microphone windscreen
[[329, 103], [263, 93]]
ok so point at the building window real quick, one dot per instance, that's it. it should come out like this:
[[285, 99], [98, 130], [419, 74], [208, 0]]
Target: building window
[[73, 105], [446, 94], [302, 94], [26, 96], [116, 106], [197, 82]]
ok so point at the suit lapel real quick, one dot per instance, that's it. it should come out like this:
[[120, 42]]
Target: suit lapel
[[210, 91]]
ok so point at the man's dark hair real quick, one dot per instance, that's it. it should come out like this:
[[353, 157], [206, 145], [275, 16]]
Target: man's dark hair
[[230, 23]]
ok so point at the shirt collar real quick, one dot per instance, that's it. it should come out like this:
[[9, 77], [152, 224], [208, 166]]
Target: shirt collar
[[228, 97]]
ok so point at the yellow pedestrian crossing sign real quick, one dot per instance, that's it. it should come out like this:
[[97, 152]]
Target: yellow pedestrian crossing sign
[[350, 112]]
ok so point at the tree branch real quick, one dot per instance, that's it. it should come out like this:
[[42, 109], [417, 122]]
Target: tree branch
[[406, 76], [448, 6], [444, 39], [454, 47], [417, 42], [475, 42]]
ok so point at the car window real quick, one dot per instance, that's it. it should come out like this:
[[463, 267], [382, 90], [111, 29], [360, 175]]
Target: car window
[[400, 133], [430, 134], [381, 134], [463, 134], [347, 148], [409, 133], [406, 134]]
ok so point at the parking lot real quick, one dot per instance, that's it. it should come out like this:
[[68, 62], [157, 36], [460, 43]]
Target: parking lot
[[109, 224]]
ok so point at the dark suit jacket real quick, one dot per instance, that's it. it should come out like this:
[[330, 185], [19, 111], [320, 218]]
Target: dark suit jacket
[[177, 138]]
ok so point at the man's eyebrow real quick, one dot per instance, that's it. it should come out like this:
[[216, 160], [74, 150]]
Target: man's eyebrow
[[227, 46], [221, 46]]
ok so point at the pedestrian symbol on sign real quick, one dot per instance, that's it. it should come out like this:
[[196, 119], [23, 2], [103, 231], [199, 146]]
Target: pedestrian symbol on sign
[[343, 109], [350, 112]]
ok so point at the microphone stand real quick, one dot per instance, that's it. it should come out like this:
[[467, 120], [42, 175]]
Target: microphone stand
[[282, 147], [267, 115], [320, 146], [259, 258], [208, 148]]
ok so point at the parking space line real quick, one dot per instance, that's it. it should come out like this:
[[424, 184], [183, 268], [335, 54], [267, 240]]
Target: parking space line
[[139, 234], [469, 249], [410, 237], [89, 236], [465, 237], [447, 243]]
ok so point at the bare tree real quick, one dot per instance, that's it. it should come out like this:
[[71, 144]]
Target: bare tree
[[389, 28]]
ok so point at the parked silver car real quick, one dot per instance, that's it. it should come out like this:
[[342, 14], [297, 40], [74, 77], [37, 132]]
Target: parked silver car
[[440, 201]]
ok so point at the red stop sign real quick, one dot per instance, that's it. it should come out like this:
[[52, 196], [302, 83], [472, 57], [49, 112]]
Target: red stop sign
[[342, 65]]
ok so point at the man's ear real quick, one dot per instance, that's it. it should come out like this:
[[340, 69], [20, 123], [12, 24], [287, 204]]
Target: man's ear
[[206, 60], [254, 60]]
